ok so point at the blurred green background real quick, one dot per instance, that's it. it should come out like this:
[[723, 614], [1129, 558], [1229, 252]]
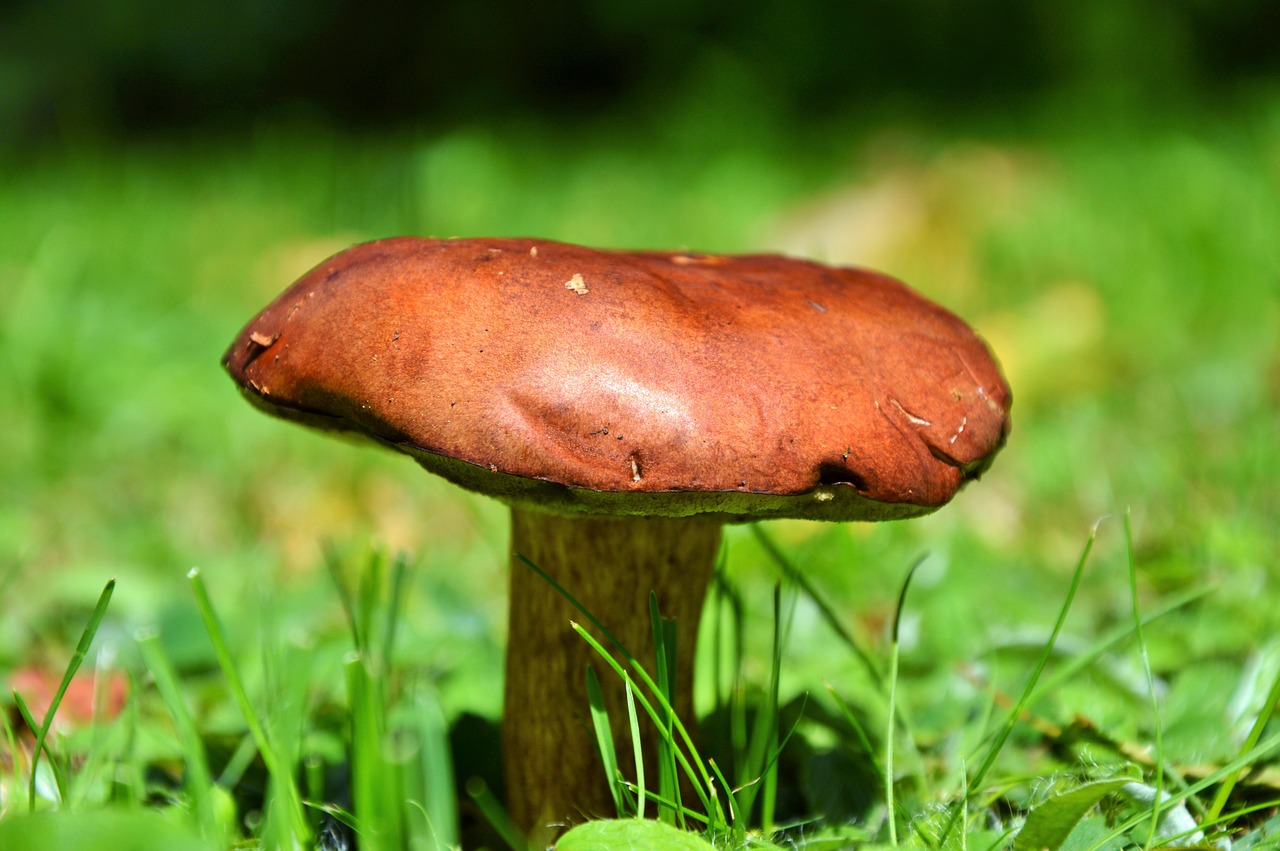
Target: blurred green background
[[1094, 185], [73, 67]]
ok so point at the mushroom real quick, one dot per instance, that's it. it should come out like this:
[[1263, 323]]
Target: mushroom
[[625, 405]]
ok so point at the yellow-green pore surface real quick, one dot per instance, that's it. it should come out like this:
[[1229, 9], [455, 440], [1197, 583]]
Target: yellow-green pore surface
[[575, 380]]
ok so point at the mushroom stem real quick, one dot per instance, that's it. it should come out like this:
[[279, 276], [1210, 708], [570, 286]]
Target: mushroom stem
[[610, 565]]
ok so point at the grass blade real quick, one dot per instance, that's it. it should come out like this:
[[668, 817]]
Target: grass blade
[[11, 739], [637, 742], [1242, 763], [1157, 798], [769, 792], [1250, 743], [859, 733], [604, 740], [281, 773], [832, 620], [377, 780], [794, 574], [725, 597], [390, 627], [701, 777], [728, 794], [333, 563], [890, 809], [664, 648], [1078, 662], [198, 781], [761, 751], [82, 649], [88, 775], [59, 776], [1015, 713], [436, 768], [493, 812]]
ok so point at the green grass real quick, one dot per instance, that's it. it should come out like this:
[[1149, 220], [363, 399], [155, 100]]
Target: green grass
[[1126, 272]]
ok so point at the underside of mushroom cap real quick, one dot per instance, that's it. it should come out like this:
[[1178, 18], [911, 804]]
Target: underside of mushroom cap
[[575, 380]]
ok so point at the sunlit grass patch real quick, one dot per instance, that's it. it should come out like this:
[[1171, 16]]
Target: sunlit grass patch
[[393, 784]]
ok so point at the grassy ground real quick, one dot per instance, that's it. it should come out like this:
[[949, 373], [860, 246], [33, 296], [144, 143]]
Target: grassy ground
[[1125, 273]]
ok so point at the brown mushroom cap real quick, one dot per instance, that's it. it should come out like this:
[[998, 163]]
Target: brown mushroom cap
[[606, 382]]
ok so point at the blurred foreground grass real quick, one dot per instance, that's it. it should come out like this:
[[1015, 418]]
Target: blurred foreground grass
[[1127, 275]]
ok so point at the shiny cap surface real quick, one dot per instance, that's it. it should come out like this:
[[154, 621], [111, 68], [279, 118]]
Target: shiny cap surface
[[579, 380]]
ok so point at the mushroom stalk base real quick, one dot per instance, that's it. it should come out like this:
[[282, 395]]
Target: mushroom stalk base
[[554, 776]]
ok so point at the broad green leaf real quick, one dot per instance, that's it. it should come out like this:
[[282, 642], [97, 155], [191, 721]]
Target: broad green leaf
[[1094, 833], [1050, 823], [629, 834]]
